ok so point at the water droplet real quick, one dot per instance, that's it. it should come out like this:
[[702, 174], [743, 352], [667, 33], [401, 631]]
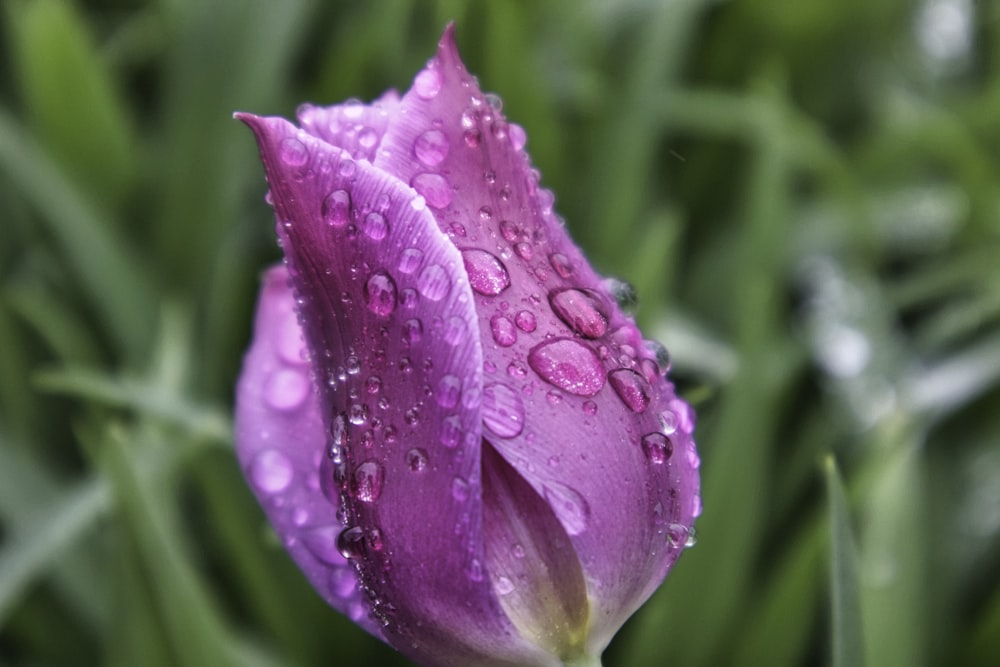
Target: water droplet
[[367, 138], [336, 208], [408, 298], [590, 408], [503, 330], [474, 570], [271, 471], [693, 457], [352, 364], [569, 506], [459, 489], [581, 311], [485, 213], [503, 586], [286, 389], [518, 137], [631, 387], [358, 414], [561, 264], [350, 542], [679, 535], [380, 293], [509, 231], [376, 226], [373, 384], [416, 459], [525, 321], [524, 251], [409, 260], [433, 282], [657, 447], [343, 581], [366, 483], [412, 416], [293, 152], [322, 543], [623, 292], [451, 431], [569, 365], [503, 410], [696, 507], [448, 391], [668, 422], [487, 274], [471, 138], [413, 331], [434, 188], [431, 147], [427, 83]]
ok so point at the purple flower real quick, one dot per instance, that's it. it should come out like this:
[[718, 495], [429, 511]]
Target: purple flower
[[461, 439]]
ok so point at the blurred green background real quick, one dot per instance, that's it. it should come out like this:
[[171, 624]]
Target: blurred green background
[[806, 195]]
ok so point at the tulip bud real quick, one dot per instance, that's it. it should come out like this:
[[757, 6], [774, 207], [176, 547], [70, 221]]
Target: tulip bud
[[459, 436]]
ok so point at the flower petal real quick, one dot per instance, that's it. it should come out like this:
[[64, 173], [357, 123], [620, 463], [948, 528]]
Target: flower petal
[[280, 441], [353, 127], [389, 314], [572, 391]]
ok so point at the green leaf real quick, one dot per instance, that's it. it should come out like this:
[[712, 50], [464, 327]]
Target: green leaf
[[845, 598]]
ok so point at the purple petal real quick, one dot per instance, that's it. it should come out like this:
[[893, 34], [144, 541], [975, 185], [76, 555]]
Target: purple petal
[[280, 441], [389, 320], [573, 392]]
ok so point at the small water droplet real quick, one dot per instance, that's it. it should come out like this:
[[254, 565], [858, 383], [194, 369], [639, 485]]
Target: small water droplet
[[581, 310], [350, 542], [503, 585], [376, 226], [416, 459], [366, 482], [485, 213], [348, 168], [509, 231], [427, 83], [373, 384], [271, 471], [352, 364], [525, 321], [459, 489], [293, 152], [518, 137], [343, 582], [434, 188], [431, 147], [454, 330], [367, 138], [569, 506], [696, 507], [451, 431], [524, 251], [657, 447], [380, 293], [569, 365], [623, 292], [433, 282], [286, 389], [668, 422], [487, 274], [471, 138], [561, 264], [503, 410], [518, 551], [336, 208], [409, 260], [693, 457], [590, 408], [413, 331], [448, 391], [357, 414], [631, 387], [503, 330], [412, 416], [474, 570], [322, 543]]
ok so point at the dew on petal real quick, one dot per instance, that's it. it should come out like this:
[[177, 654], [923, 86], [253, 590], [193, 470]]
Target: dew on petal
[[433, 282], [668, 422], [293, 152], [336, 208], [561, 264], [581, 311], [286, 389], [367, 138], [366, 482], [503, 410], [657, 447], [375, 226], [509, 231], [351, 542], [434, 188], [427, 83], [409, 260], [569, 506], [380, 293], [416, 459], [503, 330], [590, 408], [322, 543], [449, 389], [459, 489], [454, 330], [413, 331], [503, 586], [487, 274], [271, 471], [631, 387], [288, 339], [569, 365], [343, 581], [451, 431], [431, 147]]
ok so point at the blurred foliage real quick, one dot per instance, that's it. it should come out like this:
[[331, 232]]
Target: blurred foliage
[[805, 194]]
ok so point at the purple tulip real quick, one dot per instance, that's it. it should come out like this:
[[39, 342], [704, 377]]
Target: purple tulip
[[459, 436]]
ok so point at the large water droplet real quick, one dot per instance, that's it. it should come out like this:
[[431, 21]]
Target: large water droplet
[[433, 282], [380, 293], [657, 447], [569, 506], [293, 152], [448, 391], [503, 410], [416, 459], [581, 311], [366, 482], [286, 389], [376, 226], [271, 471], [487, 274], [569, 365], [434, 188], [631, 387], [336, 208], [427, 83], [503, 330], [351, 542], [431, 147]]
